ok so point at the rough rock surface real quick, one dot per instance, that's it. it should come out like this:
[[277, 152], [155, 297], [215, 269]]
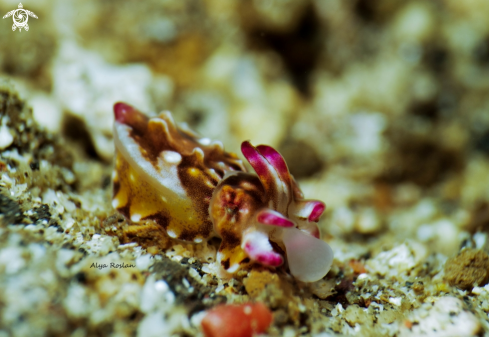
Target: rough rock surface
[[468, 269]]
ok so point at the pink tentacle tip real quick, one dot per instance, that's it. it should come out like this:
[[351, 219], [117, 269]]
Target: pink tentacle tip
[[270, 218], [268, 258], [121, 112], [317, 211], [255, 158], [248, 150], [275, 159]]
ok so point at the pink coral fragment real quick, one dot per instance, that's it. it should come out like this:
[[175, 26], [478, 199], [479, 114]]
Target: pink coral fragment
[[237, 320]]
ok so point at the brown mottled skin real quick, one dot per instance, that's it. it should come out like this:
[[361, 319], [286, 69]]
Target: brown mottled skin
[[198, 172]]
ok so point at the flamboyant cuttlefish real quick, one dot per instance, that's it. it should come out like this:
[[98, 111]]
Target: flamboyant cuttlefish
[[194, 190]]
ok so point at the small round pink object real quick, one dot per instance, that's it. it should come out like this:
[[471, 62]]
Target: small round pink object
[[237, 320]]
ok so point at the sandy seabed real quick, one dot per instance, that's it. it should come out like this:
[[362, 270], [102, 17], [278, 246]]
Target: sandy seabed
[[379, 108]]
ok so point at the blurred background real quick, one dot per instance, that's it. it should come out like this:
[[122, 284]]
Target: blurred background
[[379, 107]]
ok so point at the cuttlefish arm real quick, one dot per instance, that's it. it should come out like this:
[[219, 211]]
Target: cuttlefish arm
[[266, 215]]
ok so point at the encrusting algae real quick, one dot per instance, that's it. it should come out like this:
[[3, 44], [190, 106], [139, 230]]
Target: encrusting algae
[[468, 269]]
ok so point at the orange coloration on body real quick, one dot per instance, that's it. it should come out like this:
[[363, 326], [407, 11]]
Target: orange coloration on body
[[237, 320], [357, 266], [232, 210]]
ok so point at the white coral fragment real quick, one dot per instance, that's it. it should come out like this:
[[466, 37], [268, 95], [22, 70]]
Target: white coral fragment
[[6, 138], [398, 260]]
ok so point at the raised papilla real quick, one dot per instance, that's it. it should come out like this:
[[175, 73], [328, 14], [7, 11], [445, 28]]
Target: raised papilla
[[195, 190]]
